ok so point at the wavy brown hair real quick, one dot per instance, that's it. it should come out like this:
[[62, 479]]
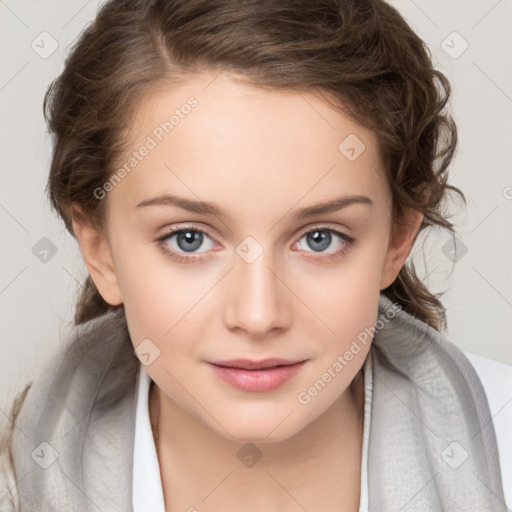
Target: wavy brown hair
[[360, 55]]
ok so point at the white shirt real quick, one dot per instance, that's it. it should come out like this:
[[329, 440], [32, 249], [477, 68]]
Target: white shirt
[[496, 379]]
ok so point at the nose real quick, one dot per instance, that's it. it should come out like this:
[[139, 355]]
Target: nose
[[259, 301]]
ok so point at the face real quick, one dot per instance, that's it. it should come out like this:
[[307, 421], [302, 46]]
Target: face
[[255, 225]]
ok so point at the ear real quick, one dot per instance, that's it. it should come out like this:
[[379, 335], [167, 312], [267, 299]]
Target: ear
[[403, 235], [97, 257]]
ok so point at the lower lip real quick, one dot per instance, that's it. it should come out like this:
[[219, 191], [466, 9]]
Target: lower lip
[[257, 380]]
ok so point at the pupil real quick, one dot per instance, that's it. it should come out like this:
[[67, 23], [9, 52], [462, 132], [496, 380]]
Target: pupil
[[321, 238], [192, 240]]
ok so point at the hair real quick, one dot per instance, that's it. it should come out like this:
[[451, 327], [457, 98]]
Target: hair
[[360, 55]]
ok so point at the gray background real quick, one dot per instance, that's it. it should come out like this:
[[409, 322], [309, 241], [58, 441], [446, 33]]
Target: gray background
[[37, 291]]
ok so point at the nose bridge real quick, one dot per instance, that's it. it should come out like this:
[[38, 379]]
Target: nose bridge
[[258, 301]]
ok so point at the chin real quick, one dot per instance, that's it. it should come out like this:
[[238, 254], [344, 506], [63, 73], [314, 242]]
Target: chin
[[260, 429], [257, 437]]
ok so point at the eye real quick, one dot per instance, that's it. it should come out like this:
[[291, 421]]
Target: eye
[[177, 243], [183, 243], [321, 238]]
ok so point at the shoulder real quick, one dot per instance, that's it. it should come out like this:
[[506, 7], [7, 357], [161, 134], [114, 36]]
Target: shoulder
[[8, 492], [91, 369], [496, 378]]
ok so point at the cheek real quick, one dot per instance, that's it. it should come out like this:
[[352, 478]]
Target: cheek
[[156, 293], [349, 317], [348, 305], [348, 299], [158, 304], [139, 260], [362, 281]]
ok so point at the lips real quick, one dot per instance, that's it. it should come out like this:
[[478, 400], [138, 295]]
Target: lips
[[256, 376], [248, 364]]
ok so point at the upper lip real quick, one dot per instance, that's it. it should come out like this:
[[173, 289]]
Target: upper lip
[[248, 364]]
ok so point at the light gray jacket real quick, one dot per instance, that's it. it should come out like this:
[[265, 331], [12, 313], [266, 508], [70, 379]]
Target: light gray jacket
[[432, 445]]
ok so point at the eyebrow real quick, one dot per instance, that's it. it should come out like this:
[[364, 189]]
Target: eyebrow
[[206, 208]]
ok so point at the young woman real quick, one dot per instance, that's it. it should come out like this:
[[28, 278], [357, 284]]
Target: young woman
[[246, 181]]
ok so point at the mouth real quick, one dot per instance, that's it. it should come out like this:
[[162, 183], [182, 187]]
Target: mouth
[[248, 364], [256, 376]]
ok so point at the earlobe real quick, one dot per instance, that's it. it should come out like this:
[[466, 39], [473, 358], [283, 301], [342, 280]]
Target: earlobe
[[97, 257], [400, 245]]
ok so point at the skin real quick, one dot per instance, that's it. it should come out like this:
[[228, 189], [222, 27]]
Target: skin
[[260, 155]]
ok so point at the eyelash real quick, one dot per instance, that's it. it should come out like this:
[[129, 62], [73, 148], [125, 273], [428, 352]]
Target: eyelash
[[348, 241]]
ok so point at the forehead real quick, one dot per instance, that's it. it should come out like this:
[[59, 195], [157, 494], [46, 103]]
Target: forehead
[[215, 136]]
